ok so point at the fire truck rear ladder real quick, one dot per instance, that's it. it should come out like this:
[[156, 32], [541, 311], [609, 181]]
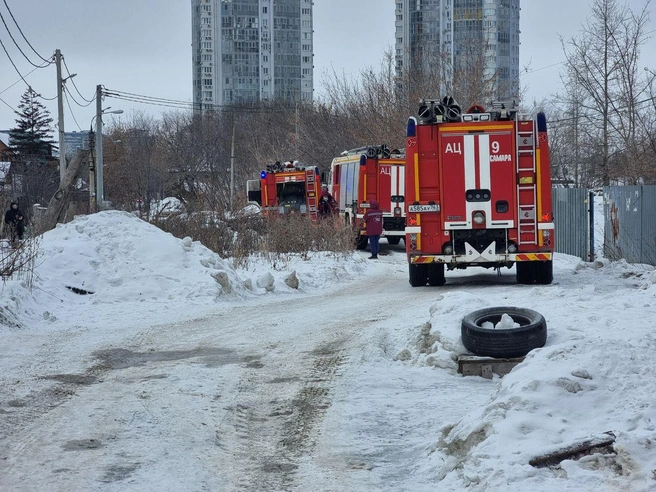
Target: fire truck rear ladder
[[526, 189], [311, 192]]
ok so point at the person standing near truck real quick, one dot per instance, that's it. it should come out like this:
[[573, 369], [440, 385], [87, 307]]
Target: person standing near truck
[[373, 219]]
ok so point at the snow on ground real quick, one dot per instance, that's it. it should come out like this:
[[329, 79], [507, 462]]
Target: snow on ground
[[400, 418]]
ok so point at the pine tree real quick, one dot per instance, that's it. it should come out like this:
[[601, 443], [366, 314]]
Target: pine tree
[[32, 135]]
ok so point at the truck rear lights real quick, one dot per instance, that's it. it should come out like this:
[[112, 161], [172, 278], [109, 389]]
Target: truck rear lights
[[413, 241], [478, 195], [412, 221], [512, 248], [447, 249], [479, 218], [397, 211]]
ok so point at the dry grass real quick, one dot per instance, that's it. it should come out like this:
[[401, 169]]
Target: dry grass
[[273, 237], [17, 259]]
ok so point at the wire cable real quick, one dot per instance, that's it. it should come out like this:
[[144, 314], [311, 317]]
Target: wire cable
[[13, 64], [18, 46], [75, 100], [89, 101], [152, 98], [28, 73], [50, 62], [68, 103]]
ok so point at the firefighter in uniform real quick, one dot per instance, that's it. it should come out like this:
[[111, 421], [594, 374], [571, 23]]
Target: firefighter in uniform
[[373, 219]]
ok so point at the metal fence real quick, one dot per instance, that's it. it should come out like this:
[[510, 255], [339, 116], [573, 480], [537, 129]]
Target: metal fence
[[630, 223], [574, 218]]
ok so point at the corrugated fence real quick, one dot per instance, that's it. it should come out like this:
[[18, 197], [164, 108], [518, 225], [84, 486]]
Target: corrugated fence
[[573, 216], [630, 223]]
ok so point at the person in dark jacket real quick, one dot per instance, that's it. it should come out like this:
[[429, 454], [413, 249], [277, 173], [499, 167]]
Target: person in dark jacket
[[373, 219], [327, 204], [14, 221]]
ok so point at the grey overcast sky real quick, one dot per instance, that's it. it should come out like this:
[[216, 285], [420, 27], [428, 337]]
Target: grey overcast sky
[[144, 47]]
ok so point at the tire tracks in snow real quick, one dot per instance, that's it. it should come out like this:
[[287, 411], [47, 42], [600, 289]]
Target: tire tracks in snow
[[276, 419]]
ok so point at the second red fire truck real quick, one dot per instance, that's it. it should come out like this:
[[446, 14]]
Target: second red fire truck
[[371, 173], [287, 188], [478, 192]]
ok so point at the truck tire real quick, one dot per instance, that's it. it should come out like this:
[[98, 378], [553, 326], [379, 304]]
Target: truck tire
[[544, 272], [393, 240], [361, 243], [418, 275], [436, 274], [503, 343], [525, 272]]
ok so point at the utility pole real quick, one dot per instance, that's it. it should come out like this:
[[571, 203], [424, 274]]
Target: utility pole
[[60, 116], [100, 195], [92, 174]]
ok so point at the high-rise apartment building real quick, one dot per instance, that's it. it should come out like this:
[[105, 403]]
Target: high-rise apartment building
[[251, 50], [455, 33]]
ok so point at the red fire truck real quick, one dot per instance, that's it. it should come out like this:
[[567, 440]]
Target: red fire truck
[[285, 188], [371, 173], [478, 192]]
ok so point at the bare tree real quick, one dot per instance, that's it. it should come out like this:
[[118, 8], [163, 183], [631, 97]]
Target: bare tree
[[602, 61], [135, 173]]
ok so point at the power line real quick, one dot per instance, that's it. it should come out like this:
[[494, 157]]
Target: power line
[[13, 64], [73, 98], [618, 110], [28, 73], [89, 101], [153, 99], [49, 62], [68, 103], [18, 46]]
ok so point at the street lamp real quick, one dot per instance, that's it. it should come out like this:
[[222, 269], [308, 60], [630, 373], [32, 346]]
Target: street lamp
[[100, 197]]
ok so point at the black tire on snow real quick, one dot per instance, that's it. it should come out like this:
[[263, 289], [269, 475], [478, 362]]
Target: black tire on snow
[[393, 240], [418, 275], [544, 272], [525, 272], [361, 242], [508, 343], [436, 274]]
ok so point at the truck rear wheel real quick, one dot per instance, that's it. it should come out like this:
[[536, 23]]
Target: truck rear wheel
[[525, 272], [544, 272], [418, 275], [436, 274], [393, 239]]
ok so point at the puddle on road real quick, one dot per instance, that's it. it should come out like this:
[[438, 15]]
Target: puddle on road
[[72, 378], [82, 445], [123, 358]]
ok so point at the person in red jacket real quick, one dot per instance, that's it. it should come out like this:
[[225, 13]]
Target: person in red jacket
[[373, 219]]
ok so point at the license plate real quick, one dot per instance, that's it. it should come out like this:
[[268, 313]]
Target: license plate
[[423, 208]]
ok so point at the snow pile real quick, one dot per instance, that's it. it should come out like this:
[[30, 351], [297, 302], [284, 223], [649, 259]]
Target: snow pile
[[116, 259], [506, 323], [120, 258]]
